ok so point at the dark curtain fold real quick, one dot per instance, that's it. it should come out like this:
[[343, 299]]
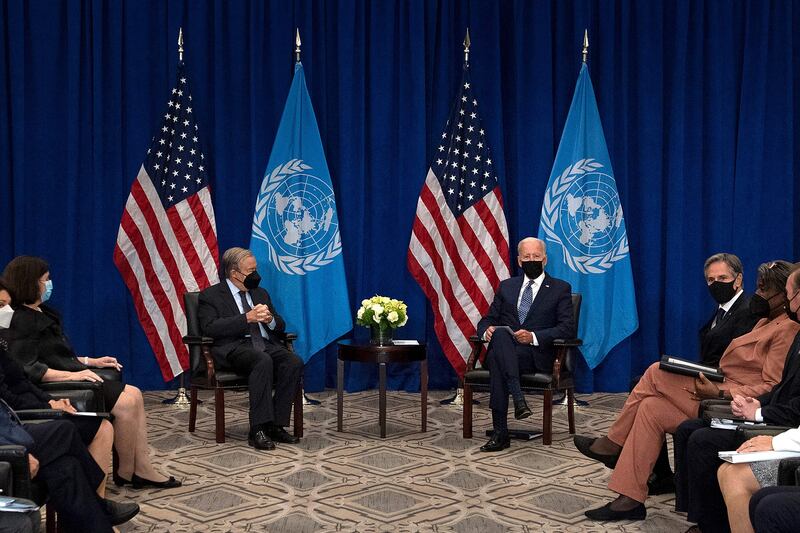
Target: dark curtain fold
[[699, 102]]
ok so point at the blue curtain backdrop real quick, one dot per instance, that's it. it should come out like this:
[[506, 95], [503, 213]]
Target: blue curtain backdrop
[[699, 102]]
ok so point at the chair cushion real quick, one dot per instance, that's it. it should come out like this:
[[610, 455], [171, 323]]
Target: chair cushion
[[537, 380], [225, 378]]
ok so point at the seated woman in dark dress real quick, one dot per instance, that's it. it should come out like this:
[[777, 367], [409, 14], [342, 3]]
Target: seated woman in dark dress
[[38, 343], [19, 393]]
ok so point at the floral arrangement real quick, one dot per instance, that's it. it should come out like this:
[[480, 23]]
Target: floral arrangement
[[382, 312]]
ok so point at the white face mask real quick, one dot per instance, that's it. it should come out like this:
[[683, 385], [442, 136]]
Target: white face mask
[[5, 316]]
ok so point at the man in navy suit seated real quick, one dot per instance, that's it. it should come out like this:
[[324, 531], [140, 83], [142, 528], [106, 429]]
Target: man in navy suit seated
[[536, 309]]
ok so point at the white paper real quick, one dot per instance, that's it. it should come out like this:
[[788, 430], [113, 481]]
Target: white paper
[[401, 342], [753, 457]]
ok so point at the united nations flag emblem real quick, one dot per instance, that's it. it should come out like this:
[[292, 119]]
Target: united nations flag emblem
[[295, 216], [582, 213]]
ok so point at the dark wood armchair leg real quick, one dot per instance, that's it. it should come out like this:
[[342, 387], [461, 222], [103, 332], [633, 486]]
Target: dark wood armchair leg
[[547, 417], [298, 412], [193, 409], [571, 409], [467, 409], [219, 411]]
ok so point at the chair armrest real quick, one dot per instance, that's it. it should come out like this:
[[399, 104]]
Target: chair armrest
[[745, 433], [17, 457], [197, 340], [477, 345], [108, 374], [39, 414], [567, 343], [76, 392], [787, 471]]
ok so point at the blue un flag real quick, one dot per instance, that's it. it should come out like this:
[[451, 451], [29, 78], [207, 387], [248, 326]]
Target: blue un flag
[[583, 225], [295, 234]]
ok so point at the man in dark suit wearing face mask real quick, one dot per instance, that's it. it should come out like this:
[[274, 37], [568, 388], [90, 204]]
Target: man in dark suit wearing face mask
[[239, 316], [536, 308], [732, 318]]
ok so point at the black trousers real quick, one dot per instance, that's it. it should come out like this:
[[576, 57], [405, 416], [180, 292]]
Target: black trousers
[[70, 475], [273, 378], [20, 522], [696, 464], [775, 510], [506, 359]]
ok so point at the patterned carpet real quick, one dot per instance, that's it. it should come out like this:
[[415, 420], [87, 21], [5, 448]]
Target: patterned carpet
[[355, 481]]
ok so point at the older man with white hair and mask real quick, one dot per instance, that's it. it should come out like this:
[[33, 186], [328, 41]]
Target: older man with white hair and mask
[[527, 314], [247, 333]]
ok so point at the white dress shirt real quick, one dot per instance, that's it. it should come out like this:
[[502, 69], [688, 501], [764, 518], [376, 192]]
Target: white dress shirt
[[236, 298]]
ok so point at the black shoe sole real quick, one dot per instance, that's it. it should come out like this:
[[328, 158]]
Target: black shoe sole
[[606, 514], [523, 415]]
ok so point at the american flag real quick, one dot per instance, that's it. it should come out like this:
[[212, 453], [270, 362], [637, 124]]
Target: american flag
[[167, 239], [459, 243]]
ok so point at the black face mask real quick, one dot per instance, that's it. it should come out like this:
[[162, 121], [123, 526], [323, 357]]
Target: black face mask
[[532, 269], [722, 291], [251, 280], [787, 307], [759, 306]]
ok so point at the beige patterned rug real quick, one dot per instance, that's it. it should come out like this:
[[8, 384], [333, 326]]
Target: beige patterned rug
[[355, 481]]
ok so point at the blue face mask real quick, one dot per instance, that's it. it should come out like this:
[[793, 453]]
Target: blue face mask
[[48, 290]]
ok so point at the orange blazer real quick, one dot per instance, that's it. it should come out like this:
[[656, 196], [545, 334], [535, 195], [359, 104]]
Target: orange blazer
[[753, 363]]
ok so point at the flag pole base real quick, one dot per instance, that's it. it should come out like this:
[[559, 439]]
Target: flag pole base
[[181, 399], [457, 400], [309, 401], [563, 402]]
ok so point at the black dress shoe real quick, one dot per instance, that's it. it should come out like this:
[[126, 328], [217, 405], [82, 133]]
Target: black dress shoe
[[120, 481], [607, 514], [521, 410], [584, 444], [260, 441], [141, 483], [119, 512], [498, 442], [661, 485], [278, 434]]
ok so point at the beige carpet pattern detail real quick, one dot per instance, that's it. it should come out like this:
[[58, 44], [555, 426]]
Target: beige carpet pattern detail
[[355, 481]]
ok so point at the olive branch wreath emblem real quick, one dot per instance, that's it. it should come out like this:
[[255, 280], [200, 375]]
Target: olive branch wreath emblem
[[582, 264], [290, 264]]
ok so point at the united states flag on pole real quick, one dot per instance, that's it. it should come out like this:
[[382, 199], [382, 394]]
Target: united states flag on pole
[[459, 243], [167, 239]]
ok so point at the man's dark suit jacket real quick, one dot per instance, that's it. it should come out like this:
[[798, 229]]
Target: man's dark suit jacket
[[781, 405], [221, 319], [736, 322], [549, 318]]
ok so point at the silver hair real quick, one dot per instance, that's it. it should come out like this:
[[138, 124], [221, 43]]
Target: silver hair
[[733, 262], [232, 257], [532, 239]]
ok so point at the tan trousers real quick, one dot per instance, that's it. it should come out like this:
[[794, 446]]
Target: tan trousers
[[655, 407]]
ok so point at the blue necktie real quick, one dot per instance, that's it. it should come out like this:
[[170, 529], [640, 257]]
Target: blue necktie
[[525, 302]]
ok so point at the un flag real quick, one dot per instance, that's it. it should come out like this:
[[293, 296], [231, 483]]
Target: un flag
[[295, 233], [584, 227]]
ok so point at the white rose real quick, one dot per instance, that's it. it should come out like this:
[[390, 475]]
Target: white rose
[[365, 303], [377, 309], [360, 313], [393, 316], [403, 323]]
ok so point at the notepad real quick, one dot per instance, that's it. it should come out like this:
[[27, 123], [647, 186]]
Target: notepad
[[754, 457]]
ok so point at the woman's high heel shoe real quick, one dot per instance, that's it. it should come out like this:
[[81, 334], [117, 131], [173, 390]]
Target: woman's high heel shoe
[[120, 481]]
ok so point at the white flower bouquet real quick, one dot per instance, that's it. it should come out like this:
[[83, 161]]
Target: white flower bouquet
[[382, 313]]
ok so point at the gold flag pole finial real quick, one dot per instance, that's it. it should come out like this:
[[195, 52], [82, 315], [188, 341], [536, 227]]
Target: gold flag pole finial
[[467, 42], [180, 44], [297, 44], [585, 45]]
